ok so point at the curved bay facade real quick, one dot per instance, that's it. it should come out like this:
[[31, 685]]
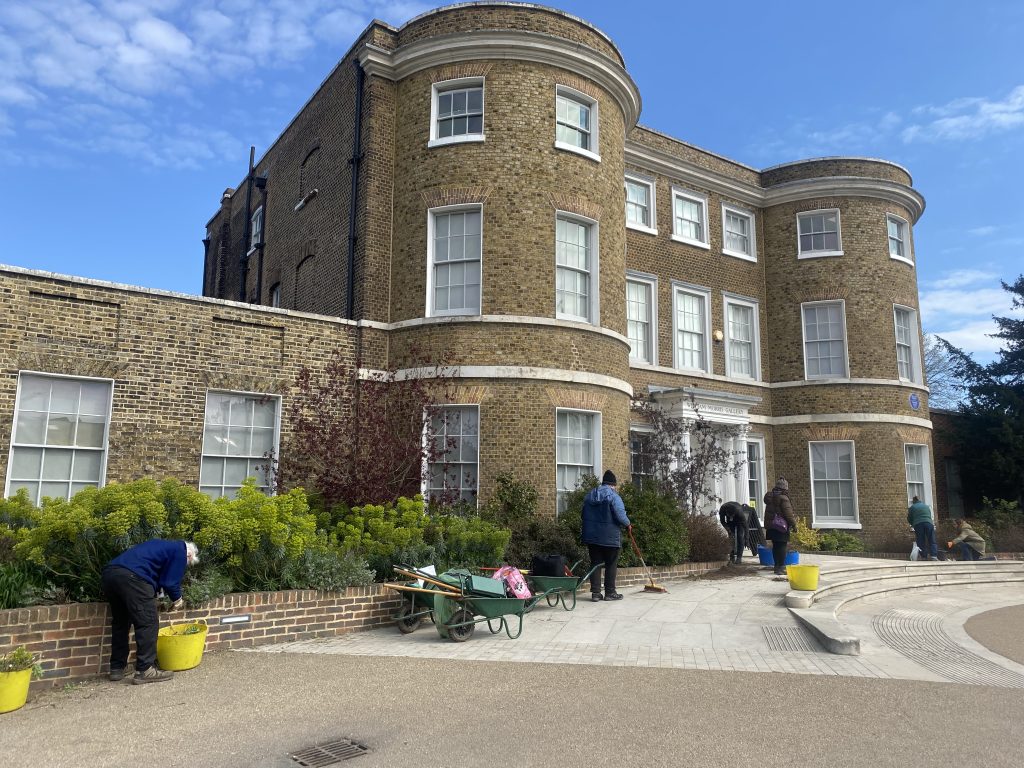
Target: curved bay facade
[[475, 185]]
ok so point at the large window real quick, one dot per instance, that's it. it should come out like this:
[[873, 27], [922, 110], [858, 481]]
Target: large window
[[899, 241], [576, 122], [690, 328], [738, 238], [640, 204], [690, 218], [819, 234], [833, 483], [918, 472], [256, 230], [239, 441], [908, 350], [455, 433], [824, 327], [641, 462], [60, 436], [742, 356], [457, 111], [641, 325], [575, 268], [577, 444], [756, 488], [453, 283]]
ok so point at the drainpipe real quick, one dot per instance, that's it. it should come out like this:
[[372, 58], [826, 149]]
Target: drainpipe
[[357, 157], [244, 261], [261, 185], [206, 262]]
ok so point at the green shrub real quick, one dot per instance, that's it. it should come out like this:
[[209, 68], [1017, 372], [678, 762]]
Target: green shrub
[[514, 506], [805, 539], [708, 540], [999, 513], [387, 535], [467, 541], [839, 541], [327, 570], [205, 583], [19, 660], [20, 584], [658, 527]]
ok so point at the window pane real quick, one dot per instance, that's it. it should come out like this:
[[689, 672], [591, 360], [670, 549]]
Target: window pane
[[87, 466], [26, 463], [35, 393], [31, 428], [215, 440], [32, 488], [54, 490], [90, 431], [235, 471], [239, 441], [64, 396], [241, 412], [57, 465], [60, 429], [94, 399]]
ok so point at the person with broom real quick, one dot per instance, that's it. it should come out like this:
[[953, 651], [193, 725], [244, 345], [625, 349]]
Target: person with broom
[[604, 517]]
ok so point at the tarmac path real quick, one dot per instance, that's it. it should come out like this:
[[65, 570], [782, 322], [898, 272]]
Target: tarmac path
[[1001, 631]]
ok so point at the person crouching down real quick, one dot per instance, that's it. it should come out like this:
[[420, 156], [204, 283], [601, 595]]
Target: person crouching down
[[604, 515], [734, 517], [972, 545], [131, 582]]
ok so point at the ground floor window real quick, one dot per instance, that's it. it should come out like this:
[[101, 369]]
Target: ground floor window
[[833, 482], [455, 434], [916, 457], [577, 443], [59, 443], [641, 463], [755, 473], [240, 437]]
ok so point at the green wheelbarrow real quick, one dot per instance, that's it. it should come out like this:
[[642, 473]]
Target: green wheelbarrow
[[559, 589], [456, 616]]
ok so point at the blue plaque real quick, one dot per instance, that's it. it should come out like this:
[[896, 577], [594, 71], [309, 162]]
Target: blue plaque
[[915, 401]]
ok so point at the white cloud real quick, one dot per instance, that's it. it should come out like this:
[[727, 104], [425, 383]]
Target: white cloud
[[960, 278], [982, 231], [975, 337], [960, 305], [968, 118]]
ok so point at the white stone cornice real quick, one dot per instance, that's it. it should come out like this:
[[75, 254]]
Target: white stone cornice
[[549, 322], [662, 162], [515, 45], [842, 418], [511, 372]]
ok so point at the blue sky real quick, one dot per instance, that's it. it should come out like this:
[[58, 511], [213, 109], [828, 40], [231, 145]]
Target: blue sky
[[122, 121]]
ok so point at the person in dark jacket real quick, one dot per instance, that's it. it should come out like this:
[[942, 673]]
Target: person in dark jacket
[[131, 582], [735, 519], [604, 517], [919, 516], [777, 505]]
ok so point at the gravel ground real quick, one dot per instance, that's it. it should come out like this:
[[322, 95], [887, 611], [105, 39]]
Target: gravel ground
[[1001, 630]]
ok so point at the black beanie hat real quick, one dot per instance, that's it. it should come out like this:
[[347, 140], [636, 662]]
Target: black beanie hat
[[609, 478]]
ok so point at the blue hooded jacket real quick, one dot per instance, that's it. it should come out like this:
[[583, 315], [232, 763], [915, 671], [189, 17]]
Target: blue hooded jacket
[[604, 517], [161, 562]]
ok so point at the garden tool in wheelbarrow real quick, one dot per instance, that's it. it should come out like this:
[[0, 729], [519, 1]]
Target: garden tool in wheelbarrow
[[650, 586]]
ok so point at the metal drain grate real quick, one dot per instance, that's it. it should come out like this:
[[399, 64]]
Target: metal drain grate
[[329, 754], [791, 639]]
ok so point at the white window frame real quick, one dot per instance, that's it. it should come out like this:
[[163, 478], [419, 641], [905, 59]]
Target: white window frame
[[596, 452], [652, 207], [762, 472], [926, 471], [801, 254], [594, 233], [425, 485], [846, 344], [255, 229], [455, 84], [651, 281], [639, 430], [277, 433], [104, 451], [693, 197], [916, 363], [755, 341], [594, 151], [832, 523], [908, 255], [705, 294], [432, 213], [728, 208]]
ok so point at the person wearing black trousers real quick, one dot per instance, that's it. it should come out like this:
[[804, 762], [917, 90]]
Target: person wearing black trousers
[[733, 517], [604, 517], [779, 522]]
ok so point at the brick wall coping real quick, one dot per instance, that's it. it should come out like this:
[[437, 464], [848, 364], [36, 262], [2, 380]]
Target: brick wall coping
[[838, 158]]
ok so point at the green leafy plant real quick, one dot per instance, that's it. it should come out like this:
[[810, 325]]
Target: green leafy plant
[[19, 660], [839, 541], [205, 584], [20, 584], [514, 506], [327, 570], [1000, 513], [805, 538], [708, 540], [469, 542]]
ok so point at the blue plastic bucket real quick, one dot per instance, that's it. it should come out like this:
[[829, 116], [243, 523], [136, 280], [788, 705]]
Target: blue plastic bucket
[[765, 557]]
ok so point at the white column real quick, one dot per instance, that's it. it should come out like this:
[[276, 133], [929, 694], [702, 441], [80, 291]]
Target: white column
[[743, 475]]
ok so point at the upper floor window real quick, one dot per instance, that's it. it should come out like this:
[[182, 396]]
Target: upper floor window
[[576, 122], [453, 278], [738, 238], [691, 328], [577, 446], [455, 432], [690, 218], [256, 230], [457, 111], [575, 268], [833, 484], [640, 206], [641, 325], [819, 234], [899, 242], [240, 438], [908, 350], [275, 295], [60, 436], [742, 353], [824, 325]]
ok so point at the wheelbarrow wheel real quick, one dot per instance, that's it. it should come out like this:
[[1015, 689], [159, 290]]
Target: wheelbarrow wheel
[[407, 622], [552, 599], [461, 634]]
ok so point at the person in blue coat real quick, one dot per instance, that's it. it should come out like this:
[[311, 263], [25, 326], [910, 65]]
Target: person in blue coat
[[131, 582], [604, 517]]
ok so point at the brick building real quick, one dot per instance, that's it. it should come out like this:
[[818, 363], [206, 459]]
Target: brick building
[[476, 183]]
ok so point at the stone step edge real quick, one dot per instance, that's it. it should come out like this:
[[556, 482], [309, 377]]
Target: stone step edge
[[836, 638], [908, 566]]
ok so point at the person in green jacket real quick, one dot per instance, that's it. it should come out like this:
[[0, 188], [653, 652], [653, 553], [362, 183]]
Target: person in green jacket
[[972, 546], [919, 516]]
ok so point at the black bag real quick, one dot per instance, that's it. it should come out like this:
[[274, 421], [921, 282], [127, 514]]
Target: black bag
[[548, 565]]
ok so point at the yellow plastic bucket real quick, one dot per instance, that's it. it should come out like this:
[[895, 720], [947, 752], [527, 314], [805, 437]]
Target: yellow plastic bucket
[[180, 646], [14, 689], [803, 577]]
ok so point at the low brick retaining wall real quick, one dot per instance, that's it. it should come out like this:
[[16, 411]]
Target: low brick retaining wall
[[73, 640], [906, 555]]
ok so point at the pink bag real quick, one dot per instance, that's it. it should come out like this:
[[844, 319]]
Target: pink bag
[[514, 581]]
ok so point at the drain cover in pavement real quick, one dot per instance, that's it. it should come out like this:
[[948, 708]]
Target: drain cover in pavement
[[788, 639], [329, 754]]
